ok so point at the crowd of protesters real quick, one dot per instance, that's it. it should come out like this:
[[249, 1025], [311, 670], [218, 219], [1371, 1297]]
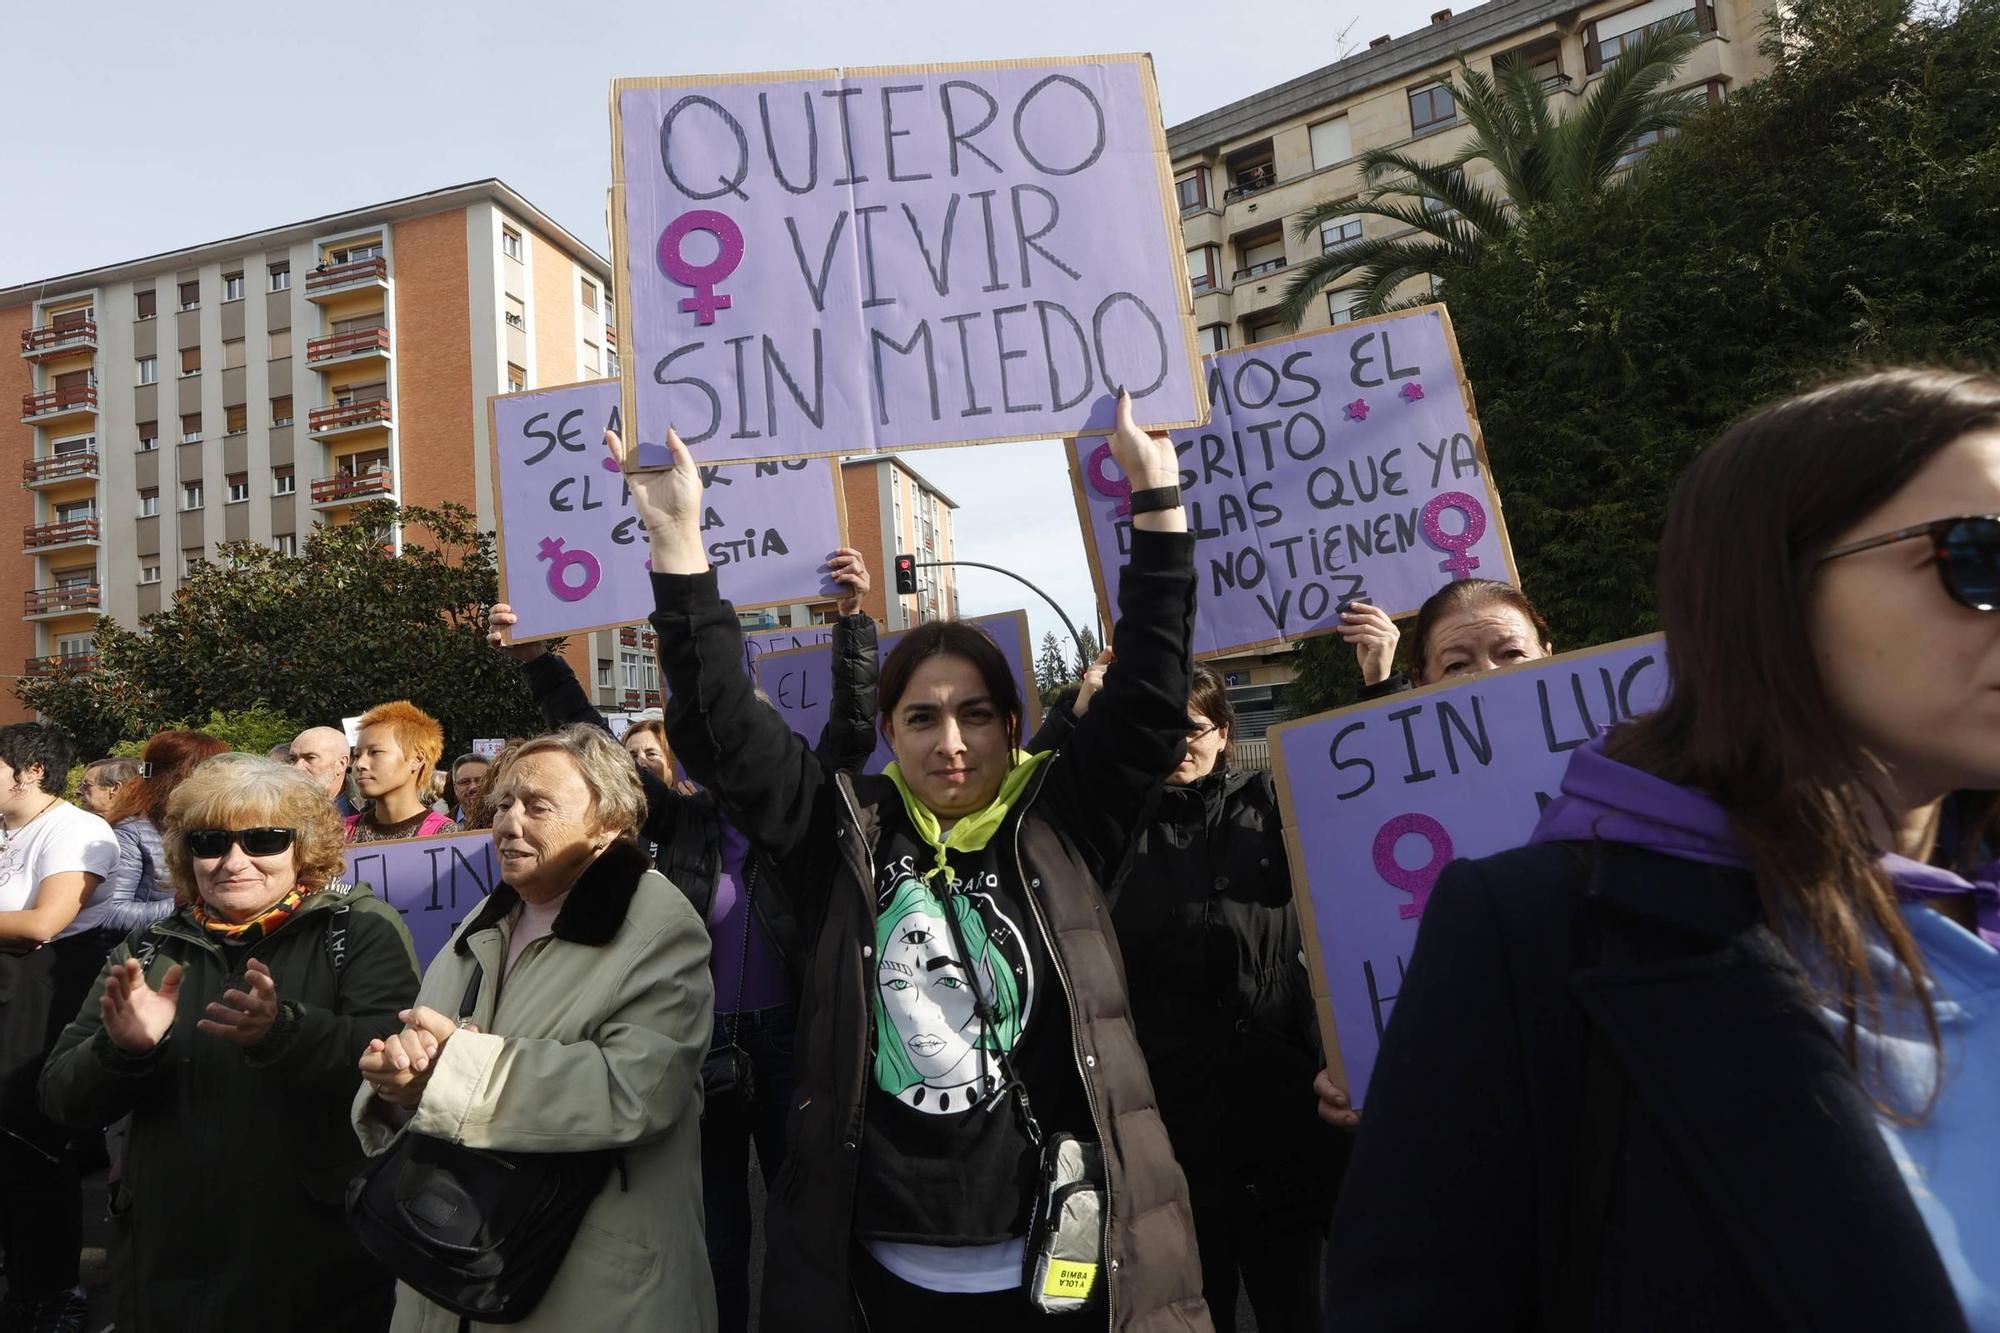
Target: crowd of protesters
[[1020, 1028]]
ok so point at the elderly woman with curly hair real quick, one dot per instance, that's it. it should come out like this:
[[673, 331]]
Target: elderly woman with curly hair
[[229, 1032], [570, 1013]]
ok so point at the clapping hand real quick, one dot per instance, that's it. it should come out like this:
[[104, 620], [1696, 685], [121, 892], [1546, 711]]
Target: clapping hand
[[244, 1017], [135, 1015], [398, 1067]]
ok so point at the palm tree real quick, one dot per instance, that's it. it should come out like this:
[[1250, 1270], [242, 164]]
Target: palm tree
[[1540, 159]]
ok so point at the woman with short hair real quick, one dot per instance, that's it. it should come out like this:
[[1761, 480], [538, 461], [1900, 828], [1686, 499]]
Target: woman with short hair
[[587, 977], [228, 1032]]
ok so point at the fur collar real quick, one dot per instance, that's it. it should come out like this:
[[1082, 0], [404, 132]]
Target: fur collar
[[595, 908]]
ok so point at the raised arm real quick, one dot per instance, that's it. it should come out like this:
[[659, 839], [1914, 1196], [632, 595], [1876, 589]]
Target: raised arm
[[848, 739]]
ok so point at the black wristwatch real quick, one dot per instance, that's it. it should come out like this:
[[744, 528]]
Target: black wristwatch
[[1160, 497]]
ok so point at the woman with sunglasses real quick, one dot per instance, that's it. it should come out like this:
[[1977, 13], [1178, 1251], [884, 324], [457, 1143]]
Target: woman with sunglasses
[[1675, 1065], [230, 1032], [1223, 1006]]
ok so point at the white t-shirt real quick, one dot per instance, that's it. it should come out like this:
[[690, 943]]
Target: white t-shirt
[[65, 838]]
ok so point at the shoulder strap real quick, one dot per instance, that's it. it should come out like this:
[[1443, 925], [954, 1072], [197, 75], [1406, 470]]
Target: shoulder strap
[[471, 1000], [1009, 1083]]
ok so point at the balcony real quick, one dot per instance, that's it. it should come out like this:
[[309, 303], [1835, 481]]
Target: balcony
[[59, 404], [341, 419], [347, 488], [1252, 180], [48, 666], [331, 280], [1260, 269], [37, 537], [59, 467], [54, 340], [60, 600], [346, 349]]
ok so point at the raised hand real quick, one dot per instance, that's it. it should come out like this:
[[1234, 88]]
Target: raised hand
[[500, 621], [1093, 681], [1374, 637], [135, 1015], [1149, 462], [669, 503], [244, 1017], [850, 571]]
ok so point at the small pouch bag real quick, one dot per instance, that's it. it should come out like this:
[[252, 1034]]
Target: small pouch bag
[[1063, 1266]]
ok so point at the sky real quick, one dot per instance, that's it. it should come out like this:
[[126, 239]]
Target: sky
[[137, 128]]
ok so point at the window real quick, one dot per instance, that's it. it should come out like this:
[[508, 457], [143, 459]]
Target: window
[[232, 354], [190, 361], [281, 344], [610, 310], [281, 276], [1331, 142], [1640, 147], [149, 436], [1340, 304], [1430, 107], [1214, 338], [517, 378], [76, 645], [82, 577], [239, 487], [145, 304], [191, 428], [191, 495], [589, 357], [516, 313], [150, 572], [75, 444], [1259, 328], [286, 543], [149, 370], [1201, 268], [610, 363], [191, 560], [1339, 232], [354, 254], [1261, 254], [284, 481], [589, 292], [510, 243], [1439, 207], [603, 673], [149, 502], [281, 411], [640, 673], [190, 295], [232, 286], [1192, 188], [1607, 39], [76, 511]]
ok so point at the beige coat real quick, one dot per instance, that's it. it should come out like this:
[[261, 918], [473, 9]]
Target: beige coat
[[595, 1040]]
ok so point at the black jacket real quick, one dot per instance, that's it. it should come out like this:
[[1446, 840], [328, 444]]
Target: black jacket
[[1728, 1176], [1063, 837], [686, 830]]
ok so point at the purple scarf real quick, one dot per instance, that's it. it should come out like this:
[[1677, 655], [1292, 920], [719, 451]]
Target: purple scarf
[[1602, 799]]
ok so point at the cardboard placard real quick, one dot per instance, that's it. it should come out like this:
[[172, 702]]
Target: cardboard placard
[[573, 553], [434, 882], [800, 680], [819, 262], [1380, 797], [756, 643], [488, 747], [1343, 465]]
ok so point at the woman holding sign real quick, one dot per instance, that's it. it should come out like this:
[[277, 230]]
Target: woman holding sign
[[965, 1047], [1720, 1050]]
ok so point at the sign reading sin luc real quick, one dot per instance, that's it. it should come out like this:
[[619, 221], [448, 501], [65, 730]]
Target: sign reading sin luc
[[573, 553], [839, 262], [1342, 466], [1380, 797]]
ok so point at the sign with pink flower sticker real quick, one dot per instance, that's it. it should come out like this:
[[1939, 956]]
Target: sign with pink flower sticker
[[1380, 797], [1339, 466]]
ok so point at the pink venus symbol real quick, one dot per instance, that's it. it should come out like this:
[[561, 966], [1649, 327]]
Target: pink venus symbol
[[1412, 392], [1357, 410]]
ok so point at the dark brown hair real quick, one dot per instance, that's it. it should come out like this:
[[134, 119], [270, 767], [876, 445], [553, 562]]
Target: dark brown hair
[[1210, 697], [1467, 595], [951, 638], [1748, 720], [172, 756]]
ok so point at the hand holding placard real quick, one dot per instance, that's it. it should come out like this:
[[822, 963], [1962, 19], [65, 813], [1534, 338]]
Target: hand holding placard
[[500, 621], [669, 503], [1149, 463], [850, 571]]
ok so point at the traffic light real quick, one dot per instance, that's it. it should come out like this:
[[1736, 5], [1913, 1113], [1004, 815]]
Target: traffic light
[[906, 575]]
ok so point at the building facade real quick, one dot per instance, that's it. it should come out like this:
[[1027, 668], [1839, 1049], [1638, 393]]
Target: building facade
[[248, 388], [892, 509]]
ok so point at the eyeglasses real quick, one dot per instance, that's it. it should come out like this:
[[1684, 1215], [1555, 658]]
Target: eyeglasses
[[1199, 732], [1967, 550], [211, 843]]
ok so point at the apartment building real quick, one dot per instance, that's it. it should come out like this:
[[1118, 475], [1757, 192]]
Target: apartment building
[[892, 509], [248, 388]]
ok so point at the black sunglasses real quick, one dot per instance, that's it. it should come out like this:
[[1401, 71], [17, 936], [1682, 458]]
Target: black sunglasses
[[1967, 550], [210, 843]]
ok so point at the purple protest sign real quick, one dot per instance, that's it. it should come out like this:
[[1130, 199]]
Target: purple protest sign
[[839, 262], [757, 643], [572, 548], [800, 681], [1340, 466], [1380, 797], [434, 882]]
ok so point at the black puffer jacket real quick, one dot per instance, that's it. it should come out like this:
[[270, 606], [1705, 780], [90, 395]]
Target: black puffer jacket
[[686, 830]]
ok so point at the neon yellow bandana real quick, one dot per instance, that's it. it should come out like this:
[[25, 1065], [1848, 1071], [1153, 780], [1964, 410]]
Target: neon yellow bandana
[[972, 833]]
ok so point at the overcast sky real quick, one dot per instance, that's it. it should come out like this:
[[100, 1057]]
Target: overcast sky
[[136, 128]]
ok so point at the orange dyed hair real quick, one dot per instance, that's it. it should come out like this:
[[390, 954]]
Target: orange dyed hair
[[414, 729]]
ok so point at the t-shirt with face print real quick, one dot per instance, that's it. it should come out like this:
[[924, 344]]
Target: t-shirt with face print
[[944, 1161]]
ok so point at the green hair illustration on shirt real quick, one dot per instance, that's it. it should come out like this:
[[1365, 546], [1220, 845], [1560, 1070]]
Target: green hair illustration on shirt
[[928, 1035]]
